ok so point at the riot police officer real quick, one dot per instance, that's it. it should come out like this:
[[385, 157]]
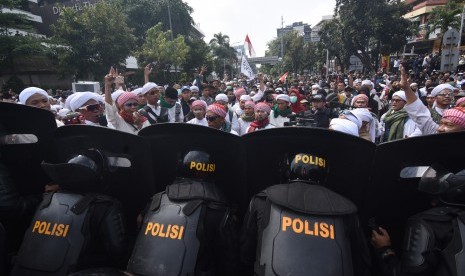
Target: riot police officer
[[190, 228], [434, 239], [303, 228], [77, 227]]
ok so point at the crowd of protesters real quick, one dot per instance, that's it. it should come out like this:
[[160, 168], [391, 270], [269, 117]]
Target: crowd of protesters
[[379, 108]]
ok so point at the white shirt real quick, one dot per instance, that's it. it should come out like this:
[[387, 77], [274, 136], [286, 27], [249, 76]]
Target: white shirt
[[279, 121], [267, 127], [420, 114], [172, 114], [119, 123], [243, 126], [196, 121]]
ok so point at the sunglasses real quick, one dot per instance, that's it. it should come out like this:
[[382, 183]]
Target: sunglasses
[[91, 107], [211, 118], [131, 104]]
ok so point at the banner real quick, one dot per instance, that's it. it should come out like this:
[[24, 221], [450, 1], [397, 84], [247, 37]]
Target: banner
[[248, 46], [246, 69]]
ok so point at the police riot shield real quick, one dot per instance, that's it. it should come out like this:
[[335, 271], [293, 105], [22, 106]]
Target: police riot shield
[[393, 194], [348, 158], [170, 142], [129, 176], [26, 139]]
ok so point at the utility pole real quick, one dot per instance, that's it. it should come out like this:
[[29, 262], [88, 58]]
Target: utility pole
[[282, 37], [169, 18]]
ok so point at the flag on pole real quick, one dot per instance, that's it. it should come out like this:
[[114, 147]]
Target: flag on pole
[[246, 69], [283, 77], [248, 46]]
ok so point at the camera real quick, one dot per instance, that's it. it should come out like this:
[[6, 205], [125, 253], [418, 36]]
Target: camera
[[302, 120]]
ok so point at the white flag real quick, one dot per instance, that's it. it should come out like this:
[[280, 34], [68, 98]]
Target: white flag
[[246, 69]]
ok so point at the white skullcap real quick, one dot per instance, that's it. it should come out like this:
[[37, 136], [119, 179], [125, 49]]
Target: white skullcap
[[55, 107], [413, 84], [400, 94], [367, 82], [357, 81], [194, 88], [438, 89], [316, 86], [137, 91], [148, 86], [221, 97], [28, 92], [345, 126], [279, 89], [116, 94], [283, 97], [81, 98], [63, 112], [245, 98]]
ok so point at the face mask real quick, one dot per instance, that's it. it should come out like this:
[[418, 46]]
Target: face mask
[[293, 99]]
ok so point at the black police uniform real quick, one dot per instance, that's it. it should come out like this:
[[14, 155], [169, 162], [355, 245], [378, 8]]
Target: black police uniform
[[434, 239], [71, 229], [189, 229], [302, 228]]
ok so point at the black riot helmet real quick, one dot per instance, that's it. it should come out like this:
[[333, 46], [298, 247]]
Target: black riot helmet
[[83, 172], [307, 167], [197, 164], [449, 188]]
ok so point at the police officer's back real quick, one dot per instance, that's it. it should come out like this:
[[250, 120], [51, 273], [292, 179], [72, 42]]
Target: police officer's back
[[303, 228], [190, 228], [434, 240], [77, 227]]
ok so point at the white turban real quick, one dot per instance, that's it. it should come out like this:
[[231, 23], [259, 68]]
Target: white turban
[[365, 115], [68, 100], [400, 94], [315, 86], [283, 97], [351, 116], [148, 86], [194, 88], [81, 98], [245, 98], [438, 89], [221, 97], [28, 92], [137, 91], [116, 94], [345, 126]]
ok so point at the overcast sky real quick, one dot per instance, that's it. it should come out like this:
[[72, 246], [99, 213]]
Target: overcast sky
[[259, 19]]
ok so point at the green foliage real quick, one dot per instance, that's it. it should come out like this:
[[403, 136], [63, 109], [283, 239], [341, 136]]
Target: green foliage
[[298, 55], [445, 17], [199, 55], [159, 48], [224, 56], [370, 27], [12, 45], [88, 43], [144, 14]]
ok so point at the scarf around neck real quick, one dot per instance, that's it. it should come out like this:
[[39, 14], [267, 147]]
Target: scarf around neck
[[246, 118], [283, 113], [258, 125], [395, 122]]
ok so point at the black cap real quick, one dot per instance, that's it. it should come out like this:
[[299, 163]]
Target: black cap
[[318, 98], [171, 93]]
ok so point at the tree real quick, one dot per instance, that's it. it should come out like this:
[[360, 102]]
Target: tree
[[370, 27], [331, 39], [445, 17], [225, 57], [144, 14], [88, 43], [199, 55], [13, 45], [161, 50]]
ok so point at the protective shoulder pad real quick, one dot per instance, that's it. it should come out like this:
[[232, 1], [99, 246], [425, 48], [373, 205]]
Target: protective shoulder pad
[[418, 244], [310, 199], [443, 213], [186, 189]]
